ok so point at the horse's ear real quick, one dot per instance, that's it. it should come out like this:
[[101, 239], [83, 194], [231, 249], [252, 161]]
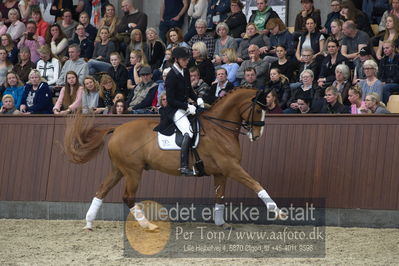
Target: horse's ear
[[260, 98]]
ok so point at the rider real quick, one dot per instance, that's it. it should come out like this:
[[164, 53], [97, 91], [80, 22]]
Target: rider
[[180, 97]]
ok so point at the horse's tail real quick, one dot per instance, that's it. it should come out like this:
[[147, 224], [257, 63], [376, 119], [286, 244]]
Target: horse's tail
[[83, 139]]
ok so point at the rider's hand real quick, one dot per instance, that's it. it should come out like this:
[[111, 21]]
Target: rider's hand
[[191, 109], [200, 102]]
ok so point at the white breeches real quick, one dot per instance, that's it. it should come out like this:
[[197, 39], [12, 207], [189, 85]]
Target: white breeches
[[182, 122]]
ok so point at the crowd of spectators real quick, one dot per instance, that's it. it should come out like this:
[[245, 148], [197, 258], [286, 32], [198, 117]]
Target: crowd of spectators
[[92, 60]]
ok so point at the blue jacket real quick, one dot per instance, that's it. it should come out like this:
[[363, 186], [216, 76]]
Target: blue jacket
[[42, 102], [284, 38], [16, 93]]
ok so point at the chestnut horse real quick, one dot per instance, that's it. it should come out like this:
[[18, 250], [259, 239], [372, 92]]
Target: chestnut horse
[[133, 148]]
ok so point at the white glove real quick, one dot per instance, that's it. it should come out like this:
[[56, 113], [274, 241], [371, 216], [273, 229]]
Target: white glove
[[200, 102], [191, 109]]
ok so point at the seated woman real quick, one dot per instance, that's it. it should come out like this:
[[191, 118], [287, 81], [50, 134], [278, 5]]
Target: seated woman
[[174, 38], [57, 40], [229, 59], [109, 20], [90, 94], [70, 99], [5, 66], [350, 12], [24, 65], [119, 107], [154, 49], [280, 85], [310, 39], [48, 65], [355, 97], [374, 104], [236, 19], [106, 94], [272, 104], [391, 34], [251, 36], [17, 28], [196, 10], [202, 62], [286, 67], [118, 72], [224, 41], [8, 106], [336, 33], [137, 60], [11, 48], [136, 43], [37, 96], [371, 83], [342, 82], [333, 102], [101, 54], [14, 87], [279, 35]]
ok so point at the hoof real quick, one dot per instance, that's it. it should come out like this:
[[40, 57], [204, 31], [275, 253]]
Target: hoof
[[226, 226], [88, 229], [281, 215], [151, 227]]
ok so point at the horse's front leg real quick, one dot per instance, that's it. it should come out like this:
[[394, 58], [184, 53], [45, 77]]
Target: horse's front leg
[[220, 186]]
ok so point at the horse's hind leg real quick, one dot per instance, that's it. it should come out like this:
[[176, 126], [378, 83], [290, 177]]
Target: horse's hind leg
[[133, 178], [110, 181], [220, 186]]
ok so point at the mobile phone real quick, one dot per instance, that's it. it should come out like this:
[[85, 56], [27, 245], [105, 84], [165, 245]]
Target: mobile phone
[[30, 36]]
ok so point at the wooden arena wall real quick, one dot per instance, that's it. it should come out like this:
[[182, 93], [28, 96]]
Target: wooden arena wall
[[351, 161]]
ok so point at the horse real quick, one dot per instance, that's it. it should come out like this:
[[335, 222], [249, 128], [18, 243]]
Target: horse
[[133, 148]]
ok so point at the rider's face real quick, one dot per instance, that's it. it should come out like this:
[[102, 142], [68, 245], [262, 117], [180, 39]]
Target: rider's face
[[183, 62]]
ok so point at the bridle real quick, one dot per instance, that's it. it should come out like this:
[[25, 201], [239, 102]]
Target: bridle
[[248, 124]]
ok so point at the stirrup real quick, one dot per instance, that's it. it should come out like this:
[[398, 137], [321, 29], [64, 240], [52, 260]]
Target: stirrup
[[185, 171]]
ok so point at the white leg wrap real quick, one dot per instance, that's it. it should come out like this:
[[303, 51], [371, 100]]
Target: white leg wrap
[[138, 214], [219, 214], [92, 212], [270, 204]]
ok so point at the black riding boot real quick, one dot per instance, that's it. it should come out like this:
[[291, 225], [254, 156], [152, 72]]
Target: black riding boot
[[184, 170]]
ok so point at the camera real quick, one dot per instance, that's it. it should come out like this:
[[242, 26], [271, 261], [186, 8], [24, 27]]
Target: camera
[[30, 36]]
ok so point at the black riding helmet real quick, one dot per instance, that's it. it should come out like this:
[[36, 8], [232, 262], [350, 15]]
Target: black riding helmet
[[180, 52]]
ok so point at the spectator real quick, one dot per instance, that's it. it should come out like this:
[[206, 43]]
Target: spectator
[[16, 28], [70, 99], [229, 58], [59, 6], [154, 49], [330, 62], [11, 48], [5, 66], [374, 105], [161, 85], [355, 97], [333, 102], [304, 105], [308, 11], [371, 83], [333, 15], [31, 41], [364, 55], [307, 62], [137, 60], [279, 35], [310, 39], [285, 66], [224, 41], [262, 15], [118, 72], [250, 80], [272, 103], [167, 60], [3, 27], [374, 9], [102, 51], [350, 12], [280, 85], [201, 36], [57, 40], [48, 65], [174, 38], [342, 82], [172, 15], [37, 96], [106, 94], [140, 99], [256, 62], [196, 10], [26, 8], [109, 20], [236, 21], [251, 37], [14, 87], [90, 95], [200, 87], [25, 65], [90, 30], [6, 6], [217, 12], [85, 44], [389, 69], [8, 105], [220, 87], [336, 32], [136, 43], [201, 60], [353, 40], [41, 25], [133, 19], [119, 108], [67, 24], [75, 63], [394, 11], [391, 34]]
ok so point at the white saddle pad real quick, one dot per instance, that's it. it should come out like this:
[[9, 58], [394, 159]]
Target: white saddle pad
[[169, 142]]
